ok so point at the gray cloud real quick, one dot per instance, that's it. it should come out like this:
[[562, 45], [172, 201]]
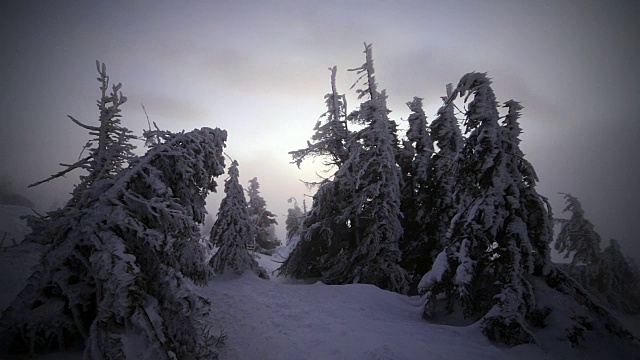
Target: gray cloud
[[258, 69]]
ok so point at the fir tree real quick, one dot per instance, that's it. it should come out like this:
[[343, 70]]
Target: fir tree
[[330, 138], [125, 265], [109, 150], [233, 230], [321, 234], [623, 290], [496, 242], [442, 198], [485, 265], [110, 147], [607, 274], [261, 218], [295, 216], [352, 231], [416, 167], [534, 209], [577, 238], [373, 211]]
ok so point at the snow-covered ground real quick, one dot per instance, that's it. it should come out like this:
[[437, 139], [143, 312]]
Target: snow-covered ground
[[280, 319], [287, 319]]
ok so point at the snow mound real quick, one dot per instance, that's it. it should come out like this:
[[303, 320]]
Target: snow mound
[[276, 320]]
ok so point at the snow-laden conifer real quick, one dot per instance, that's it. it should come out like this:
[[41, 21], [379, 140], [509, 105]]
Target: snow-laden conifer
[[233, 230], [577, 237], [442, 198], [262, 219], [108, 151], [496, 261], [330, 137], [489, 251], [110, 147], [352, 231], [373, 211], [534, 208], [623, 287], [607, 274], [419, 134], [415, 194], [295, 216], [124, 266], [321, 235]]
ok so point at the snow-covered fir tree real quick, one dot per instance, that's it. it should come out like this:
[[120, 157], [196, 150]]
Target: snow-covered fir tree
[[484, 215], [124, 251], [233, 230], [535, 209], [415, 163], [321, 234], [355, 219], [577, 237], [607, 274], [295, 215], [442, 197], [262, 219], [109, 149], [623, 290], [331, 136], [126, 264], [496, 260], [484, 268]]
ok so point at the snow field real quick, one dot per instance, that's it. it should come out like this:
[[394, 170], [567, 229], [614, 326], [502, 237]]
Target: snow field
[[281, 320]]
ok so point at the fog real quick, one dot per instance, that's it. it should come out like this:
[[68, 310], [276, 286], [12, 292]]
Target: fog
[[259, 70]]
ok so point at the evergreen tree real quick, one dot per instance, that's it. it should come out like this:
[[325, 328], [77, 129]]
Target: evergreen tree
[[442, 198], [110, 147], [577, 238], [485, 265], [353, 229], [261, 218], [124, 266], [534, 209], [607, 274], [623, 290], [414, 193], [233, 230], [496, 242], [295, 216], [322, 234], [373, 211], [330, 138], [109, 150]]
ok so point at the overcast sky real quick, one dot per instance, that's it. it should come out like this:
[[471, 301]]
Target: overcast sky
[[259, 70]]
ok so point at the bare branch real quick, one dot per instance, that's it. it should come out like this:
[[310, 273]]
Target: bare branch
[[88, 127], [78, 164]]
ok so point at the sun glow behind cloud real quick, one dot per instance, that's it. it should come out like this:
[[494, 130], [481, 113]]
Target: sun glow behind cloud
[[259, 70]]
